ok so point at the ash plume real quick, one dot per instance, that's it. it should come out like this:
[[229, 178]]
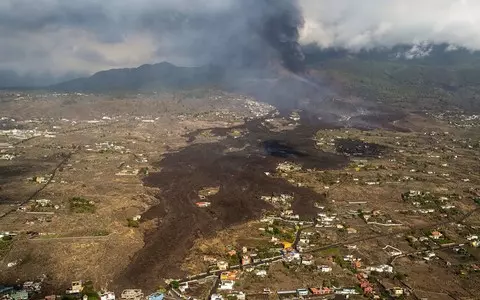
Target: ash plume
[[252, 34], [283, 19]]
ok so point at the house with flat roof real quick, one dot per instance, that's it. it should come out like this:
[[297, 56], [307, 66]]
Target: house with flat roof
[[19, 295]]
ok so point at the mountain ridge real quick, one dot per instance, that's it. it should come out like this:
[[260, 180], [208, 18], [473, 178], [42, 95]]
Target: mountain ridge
[[404, 76], [162, 75]]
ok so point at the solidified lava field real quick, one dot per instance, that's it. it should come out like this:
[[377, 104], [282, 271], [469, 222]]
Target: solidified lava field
[[280, 149], [359, 148], [242, 180]]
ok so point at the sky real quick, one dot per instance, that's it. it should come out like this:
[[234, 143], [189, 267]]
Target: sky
[[86, 36]]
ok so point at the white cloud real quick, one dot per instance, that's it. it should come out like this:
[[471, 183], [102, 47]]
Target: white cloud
[[369, 23]]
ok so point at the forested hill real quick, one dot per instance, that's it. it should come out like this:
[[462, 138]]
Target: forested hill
[[428, 78]]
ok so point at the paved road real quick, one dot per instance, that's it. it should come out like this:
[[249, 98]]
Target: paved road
[[449, 246], [458, 220], [214, 287], [299, 233], [238, 267], [71, 238], [334, 245]]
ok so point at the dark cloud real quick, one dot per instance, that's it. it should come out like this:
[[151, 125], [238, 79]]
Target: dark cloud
[[59, 36], [9, 53], [35, 16]]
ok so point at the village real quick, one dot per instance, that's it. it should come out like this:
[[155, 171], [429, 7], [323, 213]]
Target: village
[[405, 206]]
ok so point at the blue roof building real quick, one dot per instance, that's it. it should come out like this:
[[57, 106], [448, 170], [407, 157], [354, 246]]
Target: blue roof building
[[156, 296]]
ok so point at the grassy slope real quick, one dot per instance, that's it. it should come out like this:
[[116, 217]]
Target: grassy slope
[[408, 84]]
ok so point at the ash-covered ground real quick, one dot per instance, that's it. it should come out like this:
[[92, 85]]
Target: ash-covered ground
[[191, 141], [237, 165]]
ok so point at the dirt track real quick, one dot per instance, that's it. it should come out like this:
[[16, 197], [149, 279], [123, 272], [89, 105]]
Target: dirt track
[[241, 177]]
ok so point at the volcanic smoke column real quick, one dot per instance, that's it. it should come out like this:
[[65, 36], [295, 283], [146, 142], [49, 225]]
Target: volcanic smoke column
[[277, 22], [281, 31]]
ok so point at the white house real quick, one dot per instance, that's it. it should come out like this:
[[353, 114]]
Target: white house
[[472, 237], [325, 269], [216, 297], [307, 260], [107, 296], [227, 285], [222, 265], [302, 292], [381, 269]]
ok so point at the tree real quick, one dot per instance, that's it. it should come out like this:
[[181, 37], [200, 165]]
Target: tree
[[7, 238], [276, 231], [89, 291], [400, 276], [132, 223], [175, 284]]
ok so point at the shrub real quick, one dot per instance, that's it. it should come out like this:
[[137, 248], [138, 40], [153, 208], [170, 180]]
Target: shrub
[[400, 276], [89, 291], [101, 232], [175, 284], [133, 223], [81, 205]]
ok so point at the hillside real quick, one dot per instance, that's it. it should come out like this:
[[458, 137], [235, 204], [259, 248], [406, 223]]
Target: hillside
[[403, 77], [144, 78], [441, 80]]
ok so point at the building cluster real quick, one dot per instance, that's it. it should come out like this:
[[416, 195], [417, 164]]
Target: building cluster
[[107, 147], [128, 171], [42, 179], [38, 205], [377, 217], [326, 220], [7, 156], [305, 241], [77, 291], [259, 109], [283, 202], [25, 291], [24, 134], [7, 234], [287, 167], [427, 203]]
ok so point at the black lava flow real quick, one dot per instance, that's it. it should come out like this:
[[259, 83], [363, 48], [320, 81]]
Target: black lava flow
[[280, 149]]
